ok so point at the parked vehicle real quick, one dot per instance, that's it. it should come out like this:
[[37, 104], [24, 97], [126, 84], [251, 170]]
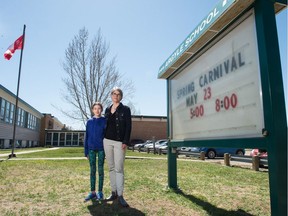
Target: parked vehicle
[[164, 147], [186, 149], [149, 145], [133, 142], [157, 146], [262, 153], [218, 152], [158, 143], [141, 145], [161, 141], [136, 141]]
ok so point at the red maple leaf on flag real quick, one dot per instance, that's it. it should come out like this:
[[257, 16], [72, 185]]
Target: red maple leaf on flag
[[18, 44]]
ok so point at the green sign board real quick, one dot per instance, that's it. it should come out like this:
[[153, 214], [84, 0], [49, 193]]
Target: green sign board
[[207, 107]]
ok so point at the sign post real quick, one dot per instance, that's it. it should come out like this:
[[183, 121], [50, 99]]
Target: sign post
[[273, 100], [225, 89]]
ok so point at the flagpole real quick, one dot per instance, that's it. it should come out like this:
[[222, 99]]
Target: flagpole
[[17, 98]]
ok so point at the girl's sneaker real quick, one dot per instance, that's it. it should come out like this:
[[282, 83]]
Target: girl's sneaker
[[100, 196], [90, 196]]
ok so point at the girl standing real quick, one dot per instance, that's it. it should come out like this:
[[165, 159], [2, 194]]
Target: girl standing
[[95, 129]]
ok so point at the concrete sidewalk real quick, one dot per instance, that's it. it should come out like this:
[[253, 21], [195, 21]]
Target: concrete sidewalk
[[26, 152], [219, 161], [81, 158]]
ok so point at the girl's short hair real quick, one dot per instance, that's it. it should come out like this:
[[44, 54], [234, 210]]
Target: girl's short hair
[[97, 103], [119, 90]]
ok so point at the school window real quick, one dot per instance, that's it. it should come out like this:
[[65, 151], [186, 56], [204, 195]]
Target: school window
[[81, 139], [29, 120], [7, 112], [1, 143], [62, 139], [18, 144], [34, 122], [38, 122], [36, 143], [68, 139], [55, 139], [48, 139], [12, 108], [75, 139], [2, 109], [23, 118], [18, 116], [10, 143]]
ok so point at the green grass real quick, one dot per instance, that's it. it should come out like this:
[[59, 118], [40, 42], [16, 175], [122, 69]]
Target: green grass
[[53, 187], [144, 154]]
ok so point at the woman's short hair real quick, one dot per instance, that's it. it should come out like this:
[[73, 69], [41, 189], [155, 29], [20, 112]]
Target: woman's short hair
[[97, 103], [119, 90]]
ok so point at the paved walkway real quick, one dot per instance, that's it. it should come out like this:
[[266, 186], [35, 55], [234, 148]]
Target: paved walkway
[[26, 152], [217, 161], [58, 158], [81, 158]]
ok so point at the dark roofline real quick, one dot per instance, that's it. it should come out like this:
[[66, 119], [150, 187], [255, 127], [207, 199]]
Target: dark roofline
[[145, 116]]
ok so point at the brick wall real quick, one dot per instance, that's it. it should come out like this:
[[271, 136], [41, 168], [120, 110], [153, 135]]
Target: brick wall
[[146, 128]]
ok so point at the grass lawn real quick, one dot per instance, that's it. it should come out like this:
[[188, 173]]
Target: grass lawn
[[58, 187]]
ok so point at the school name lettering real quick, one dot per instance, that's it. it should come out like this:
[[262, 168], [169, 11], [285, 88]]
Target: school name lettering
[[228, 66], [190, 39]]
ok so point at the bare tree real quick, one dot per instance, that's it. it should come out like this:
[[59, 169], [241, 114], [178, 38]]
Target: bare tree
[[90, 75]]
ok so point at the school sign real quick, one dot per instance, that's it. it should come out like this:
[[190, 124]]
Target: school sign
[[225, 88], [195, 34]]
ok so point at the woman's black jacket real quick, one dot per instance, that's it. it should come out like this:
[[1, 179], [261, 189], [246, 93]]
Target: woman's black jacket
[[123, 122]]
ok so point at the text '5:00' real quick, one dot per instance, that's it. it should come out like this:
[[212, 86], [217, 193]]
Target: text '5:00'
[[197, 112]]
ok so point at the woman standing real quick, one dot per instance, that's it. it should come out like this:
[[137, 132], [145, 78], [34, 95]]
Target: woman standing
[[116, 140]]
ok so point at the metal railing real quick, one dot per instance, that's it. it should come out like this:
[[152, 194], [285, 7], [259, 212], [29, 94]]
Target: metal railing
[[255, 161]]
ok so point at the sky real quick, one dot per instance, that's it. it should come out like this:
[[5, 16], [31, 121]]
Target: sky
[[141, 34]]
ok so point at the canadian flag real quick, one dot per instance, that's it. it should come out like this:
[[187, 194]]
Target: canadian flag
[[18, 44]]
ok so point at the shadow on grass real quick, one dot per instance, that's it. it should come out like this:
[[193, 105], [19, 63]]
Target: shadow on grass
[[211, 209], [112, 208], [262, 168]]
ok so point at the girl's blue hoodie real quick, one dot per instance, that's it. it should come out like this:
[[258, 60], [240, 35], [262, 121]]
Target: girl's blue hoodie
[[95, 130]]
